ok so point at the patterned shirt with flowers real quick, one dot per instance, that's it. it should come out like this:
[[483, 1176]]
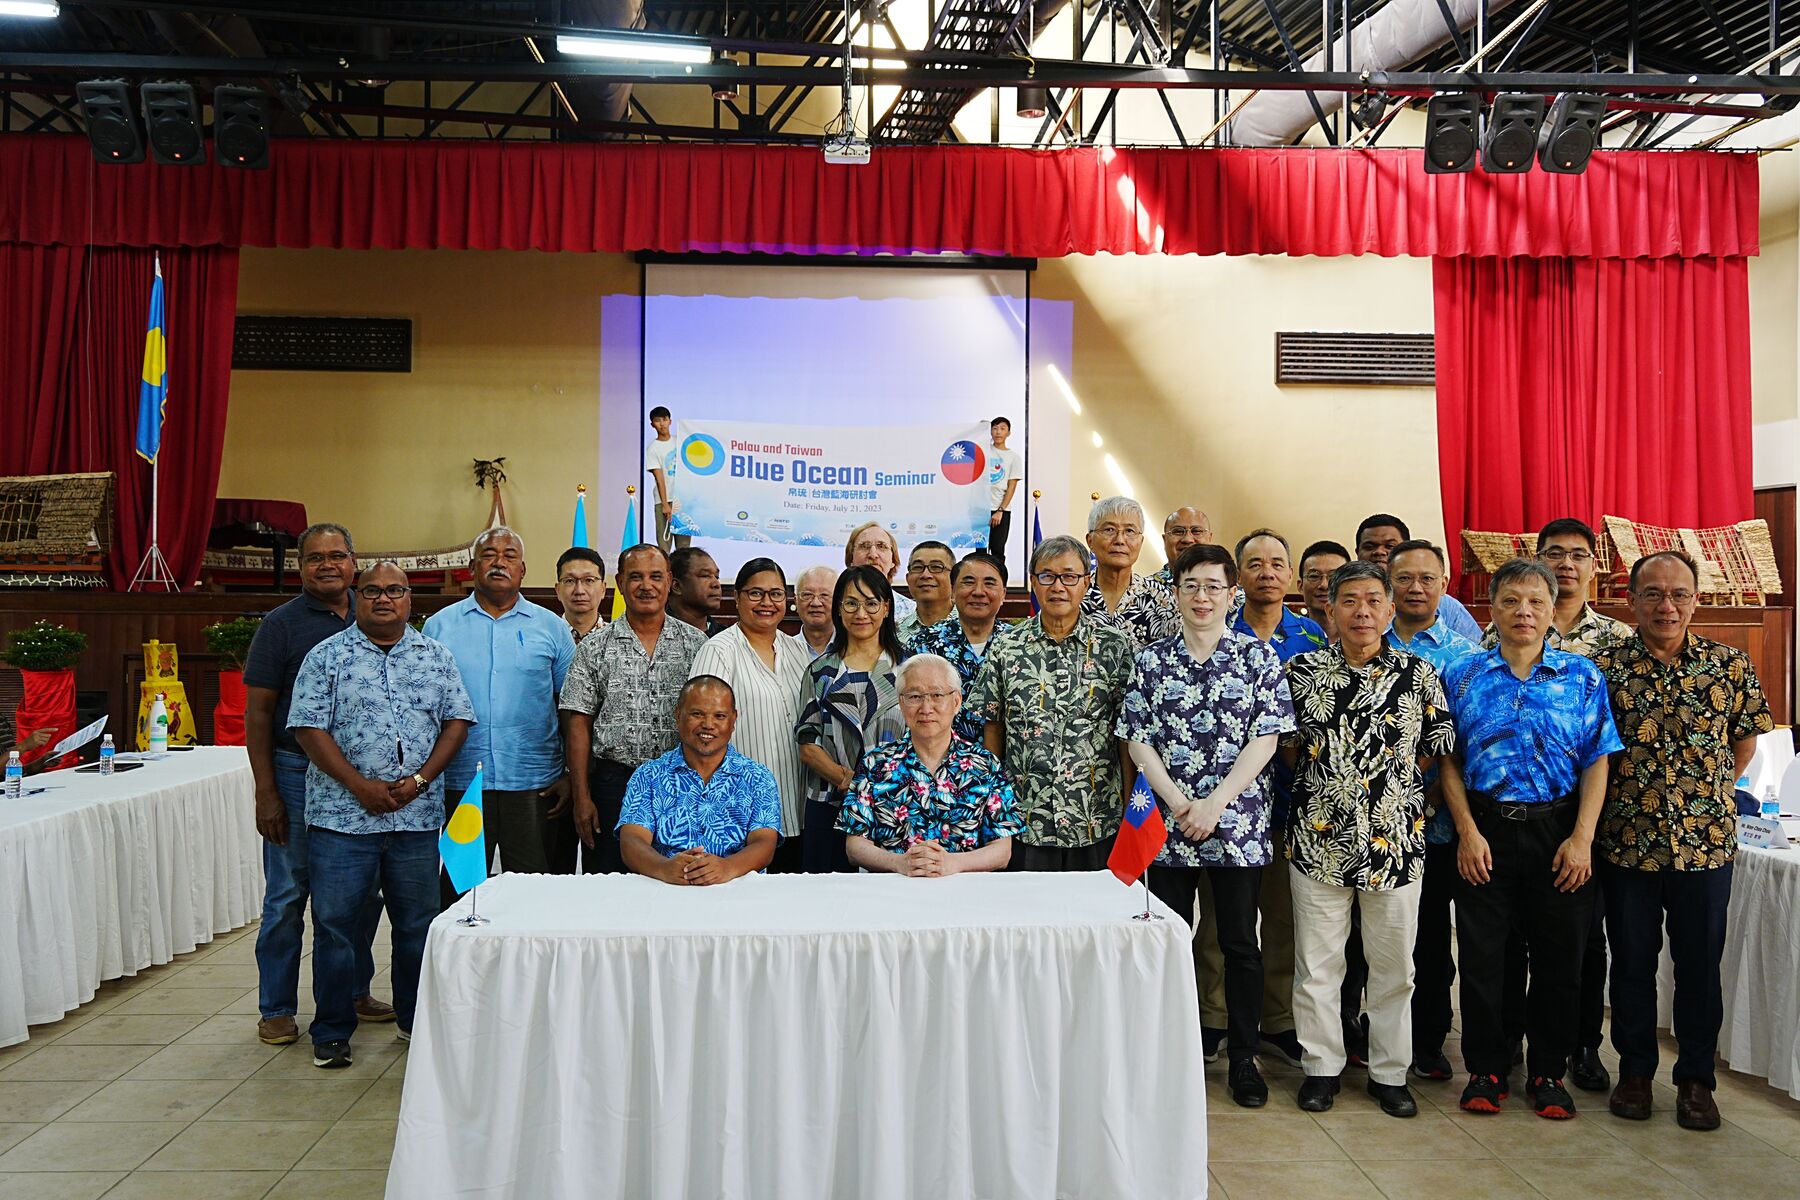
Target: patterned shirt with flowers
[[897, 801], [947, 640], [1590, 635], [1146, 611]]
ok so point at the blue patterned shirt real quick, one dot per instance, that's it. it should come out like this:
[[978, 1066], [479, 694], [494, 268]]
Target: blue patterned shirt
[[1439, 645], [895, 801], [1527, 741], [681, 811], [1452, 613], [386, 711], [947, 640]]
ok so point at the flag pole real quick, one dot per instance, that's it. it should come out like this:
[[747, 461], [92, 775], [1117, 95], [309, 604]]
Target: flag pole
[[1147, 915], [154, 570], [474, 919]]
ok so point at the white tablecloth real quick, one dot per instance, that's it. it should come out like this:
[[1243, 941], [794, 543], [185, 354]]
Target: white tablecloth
[[104, 877], [788, 1037], [1761, 969]]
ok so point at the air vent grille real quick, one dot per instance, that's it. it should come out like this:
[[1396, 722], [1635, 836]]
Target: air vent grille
[[322, 344], [1360, 359]]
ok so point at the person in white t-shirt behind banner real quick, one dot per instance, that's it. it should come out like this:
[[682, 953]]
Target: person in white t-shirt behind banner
[[660, 461], [1003, 481]]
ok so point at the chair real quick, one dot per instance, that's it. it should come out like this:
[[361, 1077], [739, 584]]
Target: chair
[[1790, 790]]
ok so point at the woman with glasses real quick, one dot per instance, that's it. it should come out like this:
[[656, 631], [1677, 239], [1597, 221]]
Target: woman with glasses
[[871, 545], [765, 668], [848, 704]]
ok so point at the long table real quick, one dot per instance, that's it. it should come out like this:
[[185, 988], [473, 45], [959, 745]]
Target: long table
[[102, 877], [796, 1037], [1760, 974]]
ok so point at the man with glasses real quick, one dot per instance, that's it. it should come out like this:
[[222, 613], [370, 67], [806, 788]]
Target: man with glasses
[[513, 655], [813, 589], [1317, 563], [978, 584], [1140, 607], [929, 803], [380, 710], [871, 545], [1376, 538], [325, 606], [1049, 693], [1689, 711], [1186, 526], [580, 584], [928, 579]]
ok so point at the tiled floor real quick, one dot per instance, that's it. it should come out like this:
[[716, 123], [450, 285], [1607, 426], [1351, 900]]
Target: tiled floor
[[159, 1088]]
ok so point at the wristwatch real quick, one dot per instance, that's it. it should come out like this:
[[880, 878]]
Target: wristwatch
[[422, 782]]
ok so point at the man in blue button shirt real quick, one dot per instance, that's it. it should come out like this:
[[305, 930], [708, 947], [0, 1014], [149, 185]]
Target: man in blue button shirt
[[702, 813], [513, 656], [1376, 538], [380, 711], [1534, 728]]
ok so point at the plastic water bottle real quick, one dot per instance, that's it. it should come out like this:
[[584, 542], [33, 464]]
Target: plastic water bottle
[[1771, 807], [15, 776], [159, 727], [106, 755]]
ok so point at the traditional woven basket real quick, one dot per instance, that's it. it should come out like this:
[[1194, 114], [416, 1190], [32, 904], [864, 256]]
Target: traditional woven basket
[[1737, 562]]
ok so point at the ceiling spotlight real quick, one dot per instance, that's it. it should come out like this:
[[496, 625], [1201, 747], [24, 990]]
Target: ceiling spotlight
[[1450, 133], [1571, 133], [39, 9], [726, 89], [241, 126], [1034, 102], [1368, 109], [172, 116], [112, 127], [1509, 145], [637, 47]]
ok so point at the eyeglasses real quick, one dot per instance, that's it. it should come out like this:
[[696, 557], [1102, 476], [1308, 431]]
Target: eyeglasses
[[917, 698], [851, 604], [329, 556], [865, 546], [580, 581], [1128, 532], [1557, 554], [758, 595], [1655, 596], [392, 591], [1426, 580], [1066, 578], [930, 568], [1194, 531], [1191, 588]]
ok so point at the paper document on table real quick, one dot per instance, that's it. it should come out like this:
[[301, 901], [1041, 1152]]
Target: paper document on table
[[80, 737]]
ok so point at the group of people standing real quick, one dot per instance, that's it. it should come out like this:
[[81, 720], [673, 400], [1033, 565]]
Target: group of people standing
[[1344, 786]]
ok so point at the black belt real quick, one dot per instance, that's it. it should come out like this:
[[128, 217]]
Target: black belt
[[1510, 810]]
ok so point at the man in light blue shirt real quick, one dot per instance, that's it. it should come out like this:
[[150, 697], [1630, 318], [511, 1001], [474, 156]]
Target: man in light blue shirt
[[1376, 538], [513, 656]]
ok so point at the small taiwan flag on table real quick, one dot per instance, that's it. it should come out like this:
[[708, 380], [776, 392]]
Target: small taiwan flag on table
[[1141, 836]]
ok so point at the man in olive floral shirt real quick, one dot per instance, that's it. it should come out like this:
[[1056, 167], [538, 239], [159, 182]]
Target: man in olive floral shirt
[[1049, 694], [1689, 711]]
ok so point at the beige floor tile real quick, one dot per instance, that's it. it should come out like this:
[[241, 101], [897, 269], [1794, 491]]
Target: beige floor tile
[[1400, 1180], [1770, 1177], [1268, 1137], [1599, 1179], [110, 1030], [237, 1146], [331, 1185], [290, 1100], [49, 1032], [14, 1132], [1377, 1137], [353, 1146], [368, 1060], [238, 953], [58, 1185], [204, 1062], [246, 1004], [221, 975], [13, 1053], [42, 1101], [1521, 1133], [380, 1103], [1290, 1180], [224, 1030], [174, 1001], [398, 1069], [1661, 1140], [71, 1146], [195, 1185], [151, 1100], [76, 1062], [1779, 1129]]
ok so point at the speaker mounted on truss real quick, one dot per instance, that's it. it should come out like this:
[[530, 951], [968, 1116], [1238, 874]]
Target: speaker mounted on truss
[[111, 125], [1571, 133], [1450, 141], [241, 127], [172, 115], [1509, 146]]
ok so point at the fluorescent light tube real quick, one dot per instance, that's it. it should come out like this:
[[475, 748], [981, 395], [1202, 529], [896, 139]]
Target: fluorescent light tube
[[635, 46]]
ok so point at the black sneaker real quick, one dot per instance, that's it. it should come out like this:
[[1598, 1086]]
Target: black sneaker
[[1549, 1098], [331, 1055], [1318, 1093], [1395, 1098], [1247, 1087], [1356, 1041], [1483, 1095], [1285, 1046], [1432, 1066], [1588, 1073], [1211, 1042]]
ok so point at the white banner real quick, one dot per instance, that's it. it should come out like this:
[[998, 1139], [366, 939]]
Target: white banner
[[810, 485]]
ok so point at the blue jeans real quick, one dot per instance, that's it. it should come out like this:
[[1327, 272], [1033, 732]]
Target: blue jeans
[[346, 867], [285, 890]]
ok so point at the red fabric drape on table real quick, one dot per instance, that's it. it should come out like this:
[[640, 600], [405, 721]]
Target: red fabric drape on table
[[461, 195], [48, 702], [1583, 387], [75, 321]]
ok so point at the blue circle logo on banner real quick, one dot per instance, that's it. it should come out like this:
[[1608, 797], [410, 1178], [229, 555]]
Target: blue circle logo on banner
[[702, 454]]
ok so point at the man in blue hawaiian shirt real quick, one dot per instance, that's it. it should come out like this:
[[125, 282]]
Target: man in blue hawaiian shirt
[[978, 589], [1376, 538], [380, 710], [931, 803], [702, 813], [1534, 727]]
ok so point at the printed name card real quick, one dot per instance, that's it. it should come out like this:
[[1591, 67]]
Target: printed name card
[[1761, 833]]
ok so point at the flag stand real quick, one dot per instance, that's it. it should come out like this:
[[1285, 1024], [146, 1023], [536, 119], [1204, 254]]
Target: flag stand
[[154, 570], [1147, 915], [474, 919]]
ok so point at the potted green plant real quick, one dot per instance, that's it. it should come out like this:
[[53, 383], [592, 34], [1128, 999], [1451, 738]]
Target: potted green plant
[[230, 640], [45, 654]]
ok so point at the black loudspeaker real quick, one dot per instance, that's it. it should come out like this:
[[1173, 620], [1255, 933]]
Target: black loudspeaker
[[1571, 133], [172, 116], [111, 125], [241, 127], [1509, 147], [1450, 133]]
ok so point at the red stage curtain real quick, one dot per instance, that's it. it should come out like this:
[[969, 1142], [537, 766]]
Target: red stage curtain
[[460, 195], [75, 321], [1583, 387]]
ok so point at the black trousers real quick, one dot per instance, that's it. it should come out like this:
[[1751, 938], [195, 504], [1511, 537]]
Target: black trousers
[[1234, 893], [606, 788], [1060, 858], [821, 842], [997, 535], [1521, 895], [1434, 967], [1692, 904]]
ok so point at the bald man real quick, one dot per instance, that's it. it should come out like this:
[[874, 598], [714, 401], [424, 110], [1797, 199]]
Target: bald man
[[1186, 526]]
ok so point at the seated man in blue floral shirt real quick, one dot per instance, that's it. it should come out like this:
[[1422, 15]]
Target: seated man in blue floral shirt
[[930, 803], [702, 813]]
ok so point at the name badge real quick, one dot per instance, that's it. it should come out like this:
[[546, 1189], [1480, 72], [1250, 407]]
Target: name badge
[[1762, 833]]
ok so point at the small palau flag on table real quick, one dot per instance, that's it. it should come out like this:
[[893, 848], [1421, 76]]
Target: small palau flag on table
[[461, 845]]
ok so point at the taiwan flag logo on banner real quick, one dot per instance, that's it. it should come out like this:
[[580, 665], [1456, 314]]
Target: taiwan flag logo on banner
[[963, 462], [1141, 836]]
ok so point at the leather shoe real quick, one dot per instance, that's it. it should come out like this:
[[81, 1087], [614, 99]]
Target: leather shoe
[[1631, 1099], [1587, 1072], [1694, 1107], [277, 1031], [1396, 1099], [1247, 1087], [368, 1008], [1318, 1093]]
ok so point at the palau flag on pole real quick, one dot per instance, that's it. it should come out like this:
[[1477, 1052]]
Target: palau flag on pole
[[580, 536], [153, 390], [461, 845], [627, 540], [1037, 539]]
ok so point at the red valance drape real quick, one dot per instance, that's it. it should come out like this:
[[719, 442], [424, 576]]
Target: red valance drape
[[74, 320], [978, 200], [1582, 387]]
